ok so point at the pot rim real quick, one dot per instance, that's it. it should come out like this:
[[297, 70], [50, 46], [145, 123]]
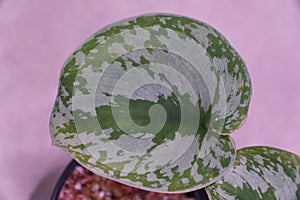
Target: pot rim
[[62, 179]]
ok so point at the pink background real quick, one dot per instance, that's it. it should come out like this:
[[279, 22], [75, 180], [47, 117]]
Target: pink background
[[36, 37]]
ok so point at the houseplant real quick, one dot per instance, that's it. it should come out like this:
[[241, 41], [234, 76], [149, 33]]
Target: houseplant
[[150, 102]]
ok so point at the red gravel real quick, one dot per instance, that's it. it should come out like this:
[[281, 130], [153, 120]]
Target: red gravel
[[85, 185]]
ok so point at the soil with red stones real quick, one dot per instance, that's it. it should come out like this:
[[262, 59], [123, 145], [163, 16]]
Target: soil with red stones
[[85, 185]]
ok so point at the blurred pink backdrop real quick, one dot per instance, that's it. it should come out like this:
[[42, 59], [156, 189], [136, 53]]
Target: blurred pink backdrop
[[36, 37]]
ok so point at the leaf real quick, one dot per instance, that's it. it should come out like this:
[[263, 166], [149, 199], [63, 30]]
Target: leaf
[[260, 172], [145, 101]]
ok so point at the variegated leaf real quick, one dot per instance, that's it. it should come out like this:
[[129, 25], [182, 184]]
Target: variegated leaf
[[260, 173], [145, 101]]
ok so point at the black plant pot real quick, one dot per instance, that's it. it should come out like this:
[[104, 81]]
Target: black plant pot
[[198, 194]]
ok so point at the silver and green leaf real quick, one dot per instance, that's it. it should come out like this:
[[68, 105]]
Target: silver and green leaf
[[149, 101], [260, 173]]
